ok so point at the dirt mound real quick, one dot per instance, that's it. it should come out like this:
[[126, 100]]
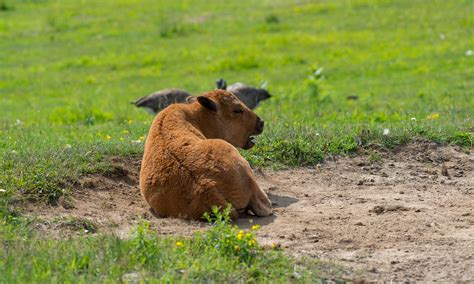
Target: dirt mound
[[398, 215]]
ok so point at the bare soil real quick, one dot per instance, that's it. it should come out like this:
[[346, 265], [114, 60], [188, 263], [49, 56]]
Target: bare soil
[[406, 214]]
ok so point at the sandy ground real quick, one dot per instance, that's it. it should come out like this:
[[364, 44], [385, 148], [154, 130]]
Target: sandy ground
[[396, 215]]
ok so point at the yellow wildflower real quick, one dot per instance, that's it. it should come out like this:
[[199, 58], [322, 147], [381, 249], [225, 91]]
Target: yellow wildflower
[[256, 227], [274, 245], [251, 242], [141, 138], [108, 137], [236, 247], [130, 122], [179, 244], [248, 235], [433, 116], [125, 131]]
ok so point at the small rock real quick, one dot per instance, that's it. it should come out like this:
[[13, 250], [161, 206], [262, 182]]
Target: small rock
[[359, 224], [360, 182], [458, 174], [377, 210], [402, 192], [296, 275], [444, 170], [133, 277], [318, 167], [345, 241]]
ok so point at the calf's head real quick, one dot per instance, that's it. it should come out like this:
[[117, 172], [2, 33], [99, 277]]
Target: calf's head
[[226, 117]]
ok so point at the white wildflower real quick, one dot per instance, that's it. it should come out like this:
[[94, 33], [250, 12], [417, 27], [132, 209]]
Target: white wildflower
[[136, 141], [67, 146], [413, 118], [386, 131], [442, 36], [469, 52], [2, 190]]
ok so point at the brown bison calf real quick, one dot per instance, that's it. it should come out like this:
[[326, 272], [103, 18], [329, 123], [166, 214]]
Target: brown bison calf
[[191, 163]]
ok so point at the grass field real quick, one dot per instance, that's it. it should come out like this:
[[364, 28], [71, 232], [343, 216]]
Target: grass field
[[68, 70]]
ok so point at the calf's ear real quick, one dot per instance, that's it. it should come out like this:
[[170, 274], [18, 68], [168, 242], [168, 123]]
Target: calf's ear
[[207, 103]]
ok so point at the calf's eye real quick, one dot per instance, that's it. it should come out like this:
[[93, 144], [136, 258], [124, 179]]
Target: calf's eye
[[238, 111]]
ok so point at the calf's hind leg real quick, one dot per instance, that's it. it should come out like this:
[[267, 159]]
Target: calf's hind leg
[[259, 202]]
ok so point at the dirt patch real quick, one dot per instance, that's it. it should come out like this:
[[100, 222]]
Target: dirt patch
[[401, 215]]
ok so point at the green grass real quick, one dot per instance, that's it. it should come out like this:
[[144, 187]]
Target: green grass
[[68, 70], [222, 253]]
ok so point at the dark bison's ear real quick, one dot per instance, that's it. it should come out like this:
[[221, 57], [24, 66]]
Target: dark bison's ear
[[191, 99], [207, 103]]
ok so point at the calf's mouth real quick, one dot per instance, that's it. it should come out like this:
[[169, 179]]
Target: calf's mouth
[[258, 130]]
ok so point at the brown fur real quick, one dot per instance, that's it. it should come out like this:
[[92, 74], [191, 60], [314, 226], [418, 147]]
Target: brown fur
[[191, 162]]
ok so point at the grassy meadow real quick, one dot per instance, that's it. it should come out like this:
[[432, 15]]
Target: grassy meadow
[[68, 70]]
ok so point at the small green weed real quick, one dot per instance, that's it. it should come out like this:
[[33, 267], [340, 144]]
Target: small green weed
[[229, 239], [374, 157], [272, 19]]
